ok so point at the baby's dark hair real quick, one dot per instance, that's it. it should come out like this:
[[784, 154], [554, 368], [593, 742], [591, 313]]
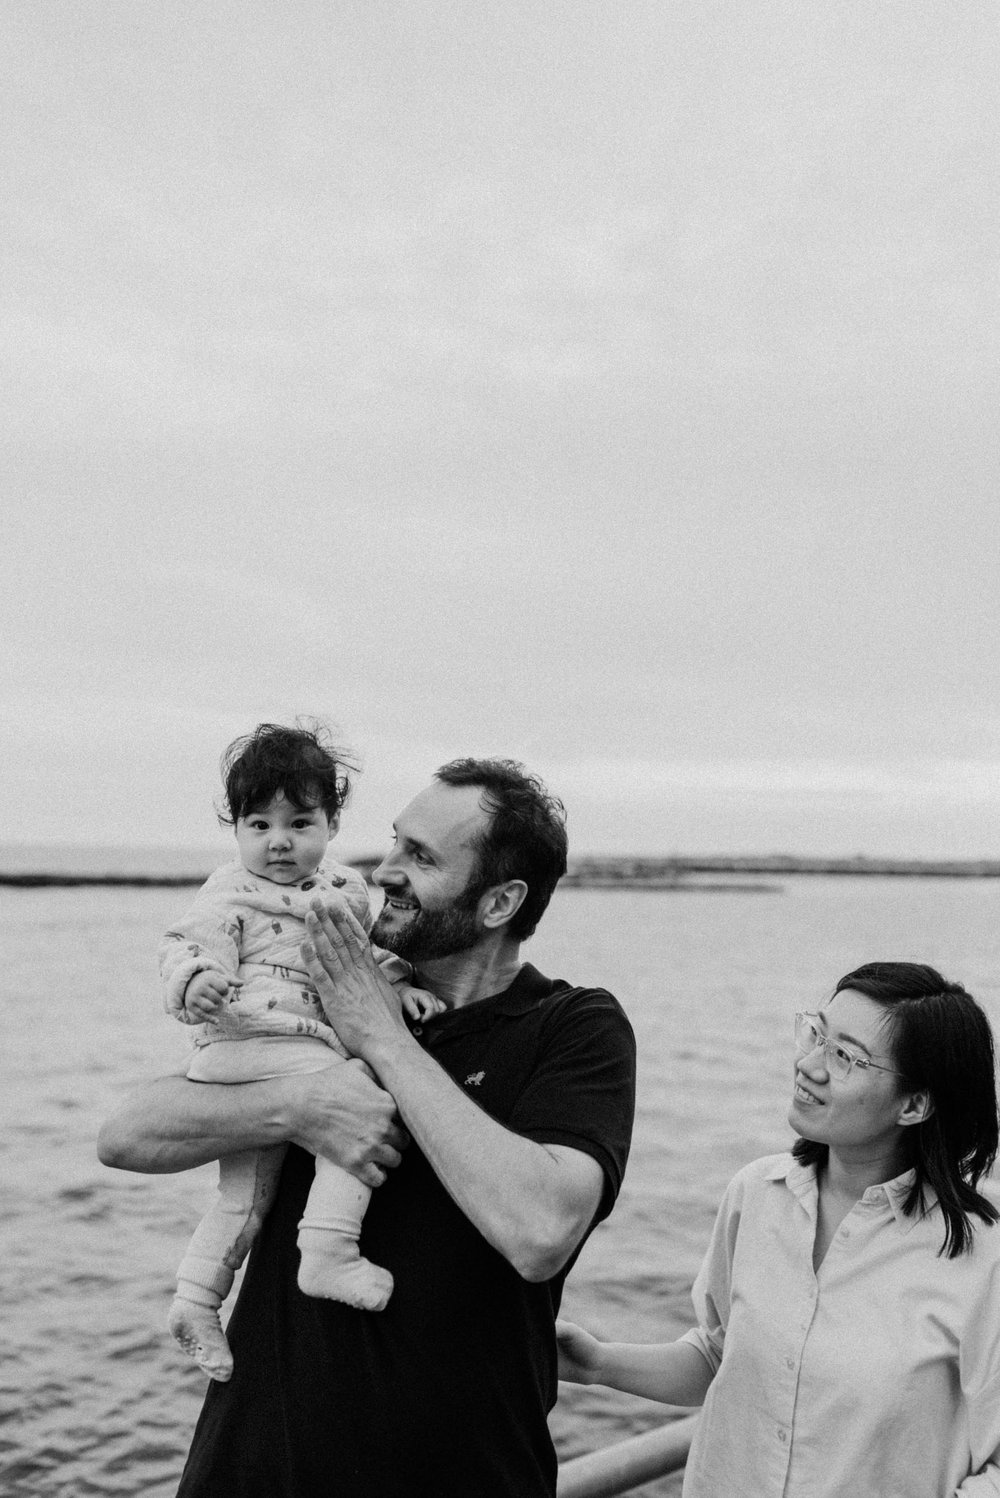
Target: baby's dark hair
[[301, 762]]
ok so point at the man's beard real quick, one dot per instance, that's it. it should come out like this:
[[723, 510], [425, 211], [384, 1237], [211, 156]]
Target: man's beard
[[430, 934]]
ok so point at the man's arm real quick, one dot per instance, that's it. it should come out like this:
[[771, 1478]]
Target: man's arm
[[173, 1124], [533, 1202]]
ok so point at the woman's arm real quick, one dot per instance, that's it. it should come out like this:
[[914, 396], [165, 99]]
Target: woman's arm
[[672, 1372], [172, 1124]]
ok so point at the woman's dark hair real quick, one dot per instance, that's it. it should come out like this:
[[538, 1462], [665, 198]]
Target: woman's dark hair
[[526, 837], [941, 1041], [301, 762]]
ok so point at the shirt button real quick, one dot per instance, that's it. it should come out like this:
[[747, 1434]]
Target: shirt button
[[418, 1029], [782, 1436], [789, 1362]]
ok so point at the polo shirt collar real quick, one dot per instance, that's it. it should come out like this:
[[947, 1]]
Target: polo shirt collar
[[527, 989], [524, 994]]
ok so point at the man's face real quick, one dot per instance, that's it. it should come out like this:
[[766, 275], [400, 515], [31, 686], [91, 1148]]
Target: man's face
[[426, 878]]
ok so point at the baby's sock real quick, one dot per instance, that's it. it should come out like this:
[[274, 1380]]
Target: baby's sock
[[332, 1268], [194, 1324]]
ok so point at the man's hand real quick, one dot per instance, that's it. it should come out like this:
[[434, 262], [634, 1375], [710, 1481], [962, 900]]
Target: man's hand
[[353, 1123], [359, 1002]]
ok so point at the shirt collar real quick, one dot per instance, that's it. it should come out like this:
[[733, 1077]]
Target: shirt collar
[[801, 1182], [527, 990], [523, 995]]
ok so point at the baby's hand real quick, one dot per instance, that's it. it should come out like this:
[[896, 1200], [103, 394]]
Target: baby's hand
[[417, 1002], [205, 996]]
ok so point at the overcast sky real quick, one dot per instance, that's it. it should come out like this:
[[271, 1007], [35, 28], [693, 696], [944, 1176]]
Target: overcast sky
[[610, 386]]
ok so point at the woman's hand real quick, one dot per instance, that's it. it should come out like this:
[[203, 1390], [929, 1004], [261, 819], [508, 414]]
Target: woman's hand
[[579, 1354]]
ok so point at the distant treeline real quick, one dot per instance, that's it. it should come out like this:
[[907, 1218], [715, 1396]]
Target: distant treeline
[[583, 871], [157, 881], [674, 872]]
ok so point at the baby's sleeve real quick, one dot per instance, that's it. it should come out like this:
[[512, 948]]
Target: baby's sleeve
[[351, 888], [206, 939], [396, 969], [358, 898]]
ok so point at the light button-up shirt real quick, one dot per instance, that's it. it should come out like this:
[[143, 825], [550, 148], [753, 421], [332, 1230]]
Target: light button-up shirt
[[877, 1377]]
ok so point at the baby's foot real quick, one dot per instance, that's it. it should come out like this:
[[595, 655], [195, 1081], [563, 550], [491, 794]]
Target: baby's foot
[[340, 1273], [198, 1330]]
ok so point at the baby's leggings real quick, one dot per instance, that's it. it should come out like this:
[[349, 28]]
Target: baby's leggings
[[248, 1180]]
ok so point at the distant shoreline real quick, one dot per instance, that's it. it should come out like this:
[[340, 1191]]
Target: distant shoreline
[[673, 873]]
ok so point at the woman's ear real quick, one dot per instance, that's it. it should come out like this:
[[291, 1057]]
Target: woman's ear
[[916, 1107]]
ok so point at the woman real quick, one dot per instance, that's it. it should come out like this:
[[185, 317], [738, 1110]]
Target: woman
[[849, 1303]]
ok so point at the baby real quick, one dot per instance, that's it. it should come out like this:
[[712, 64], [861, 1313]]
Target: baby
[[233, 967]]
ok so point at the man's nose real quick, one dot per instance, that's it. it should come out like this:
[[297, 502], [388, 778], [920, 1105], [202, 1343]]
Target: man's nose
[[386, 872]]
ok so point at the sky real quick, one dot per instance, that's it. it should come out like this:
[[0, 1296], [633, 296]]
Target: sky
[[612, 387]]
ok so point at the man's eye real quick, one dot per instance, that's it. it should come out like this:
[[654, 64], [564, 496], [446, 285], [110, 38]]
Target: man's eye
[[843, 1056]]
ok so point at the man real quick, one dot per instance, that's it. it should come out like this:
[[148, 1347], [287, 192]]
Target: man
[[518, 1100]]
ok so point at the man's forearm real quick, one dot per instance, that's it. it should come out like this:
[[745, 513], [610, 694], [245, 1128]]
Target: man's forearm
[[532, 1202], [340, 1113], [173, 1124]]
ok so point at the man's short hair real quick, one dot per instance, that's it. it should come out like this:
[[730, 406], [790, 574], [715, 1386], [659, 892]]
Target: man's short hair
[[525, 838]]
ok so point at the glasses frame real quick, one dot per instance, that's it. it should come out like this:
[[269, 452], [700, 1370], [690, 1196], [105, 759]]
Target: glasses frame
[[825, 1044]]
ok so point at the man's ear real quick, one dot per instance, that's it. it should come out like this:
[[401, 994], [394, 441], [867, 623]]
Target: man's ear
[[916, 1107], [501, 903]]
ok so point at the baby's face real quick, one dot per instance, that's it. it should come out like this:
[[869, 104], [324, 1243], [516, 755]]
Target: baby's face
[[284, 842]]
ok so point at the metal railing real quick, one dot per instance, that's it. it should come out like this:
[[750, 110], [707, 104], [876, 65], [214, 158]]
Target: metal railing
[[628, 1464]]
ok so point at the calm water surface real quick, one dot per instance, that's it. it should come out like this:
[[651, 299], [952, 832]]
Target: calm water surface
[[94, 1398]]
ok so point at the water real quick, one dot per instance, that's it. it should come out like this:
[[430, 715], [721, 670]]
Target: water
[[94, 1399]]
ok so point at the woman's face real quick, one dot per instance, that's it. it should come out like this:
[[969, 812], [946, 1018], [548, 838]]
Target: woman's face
[[862, 1112]]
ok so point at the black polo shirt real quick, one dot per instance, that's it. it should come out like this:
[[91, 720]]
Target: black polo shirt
[[447, 1390]]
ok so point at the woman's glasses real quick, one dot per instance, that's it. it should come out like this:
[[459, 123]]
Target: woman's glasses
[[839, 1060]]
